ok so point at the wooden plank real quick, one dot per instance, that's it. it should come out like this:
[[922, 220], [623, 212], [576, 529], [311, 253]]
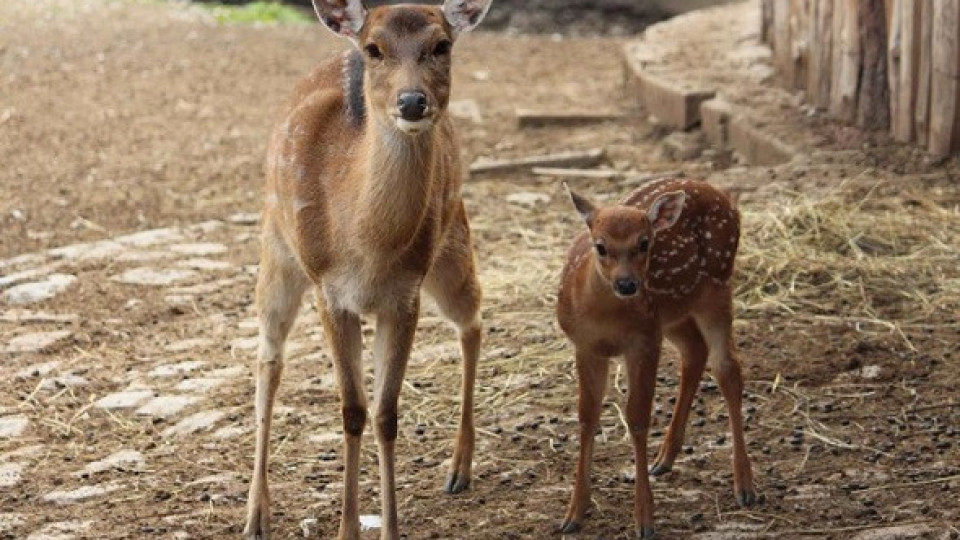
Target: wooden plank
[[799, 43], [921, 113], [596, 174], [529, 118], [781, 43], [873, 101], [767, 8], [585, 158], [847, 62], [945, 84], [894, 59]]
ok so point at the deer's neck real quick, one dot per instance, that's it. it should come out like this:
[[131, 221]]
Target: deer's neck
[[397, 184]]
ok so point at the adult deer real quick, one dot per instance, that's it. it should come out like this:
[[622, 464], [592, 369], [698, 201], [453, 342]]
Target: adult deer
[[659, 263], [363, 202]]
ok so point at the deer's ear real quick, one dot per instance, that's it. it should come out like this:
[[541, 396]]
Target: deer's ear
[[585, 208], [343, 17], [465, 15], [666, 210]]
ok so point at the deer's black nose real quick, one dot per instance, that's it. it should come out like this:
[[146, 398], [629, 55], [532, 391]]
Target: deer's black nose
[[412, 105], [625, 286]]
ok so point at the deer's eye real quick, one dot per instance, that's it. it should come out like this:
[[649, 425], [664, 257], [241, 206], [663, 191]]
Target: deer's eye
[[373, 51], [442, 47], [601, 249], [644, 245]]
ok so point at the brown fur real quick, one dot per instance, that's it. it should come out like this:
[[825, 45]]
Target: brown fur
[[684, 294], [367, 215]]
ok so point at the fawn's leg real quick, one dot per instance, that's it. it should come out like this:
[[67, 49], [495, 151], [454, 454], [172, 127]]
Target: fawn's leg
[[453, 283], [693, 359], [280, 286], [395, 331], [592, 384], [342, 330], [641, 382], [716, 325]]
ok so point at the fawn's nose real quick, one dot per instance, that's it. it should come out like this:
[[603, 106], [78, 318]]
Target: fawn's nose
[[412, 105], [625, 286]]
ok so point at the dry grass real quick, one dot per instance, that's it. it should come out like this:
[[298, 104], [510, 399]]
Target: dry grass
[[870, 254]]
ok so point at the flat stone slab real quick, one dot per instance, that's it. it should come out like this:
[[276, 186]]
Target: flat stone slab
[[38, 291], [25, 316], [244, 218], [152, 276], [187, 345], [204, 264], [900, 532], [38, 370], [122, 459], [200, 385], [80, 494], [62, 530], [195, 422], [124, 400], [12, 426], [164, 406], [35, 341], [10, 474], [169, 370], [67, 380], [229, 432], [198, 249], [231, 372]]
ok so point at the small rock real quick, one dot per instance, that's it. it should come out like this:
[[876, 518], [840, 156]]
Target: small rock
[[871, 372], [126, 459], [199, 249], [80, 494], [165, 406], [187, 345], [123, 400], [310, 527], [368, 522], [244, 218], [36, 341], [195, 422], [151, 237], [24, 316], [61, 530], [901, 532], [150, 276], [231, 372], [10, 474], [229, 432], [169, 370], [38, 370], [204, 264], [10, 521], [528, 199], [200, 385], [38, 291]]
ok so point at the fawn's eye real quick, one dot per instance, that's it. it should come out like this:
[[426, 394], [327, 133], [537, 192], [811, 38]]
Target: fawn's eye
[[601, 249], [373, 51], [644, 245], [442, 47]]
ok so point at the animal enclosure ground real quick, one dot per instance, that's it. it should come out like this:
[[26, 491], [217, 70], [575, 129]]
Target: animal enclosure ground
[[132, 137]]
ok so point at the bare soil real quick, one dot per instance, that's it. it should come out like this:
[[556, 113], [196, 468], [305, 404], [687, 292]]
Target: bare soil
[[117, 117]]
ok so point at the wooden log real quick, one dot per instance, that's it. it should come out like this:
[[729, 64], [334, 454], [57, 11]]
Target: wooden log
[[873, 101], [799, 43], [847, 60], [921, 113], [528, 118], [894, 54], [767, 8], [781, 43], [596, 174], [945, 84], [586, 158], [821, 53], [903, 96]]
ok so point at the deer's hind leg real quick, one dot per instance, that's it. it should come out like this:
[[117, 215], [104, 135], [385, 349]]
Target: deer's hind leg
[[280, 287], [453, 283]]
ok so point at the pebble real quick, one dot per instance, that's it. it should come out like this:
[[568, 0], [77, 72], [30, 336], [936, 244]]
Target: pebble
[[165, 406], [35, 341], [169, 370], [123, 400], [199, 249], [80, 494], [151, 276], [194, 423], [61, 530], [10, 474], [126, 459], [12, 426], [38, 291]]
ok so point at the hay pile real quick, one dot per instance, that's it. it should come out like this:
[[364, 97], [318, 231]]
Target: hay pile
[[866, 253]]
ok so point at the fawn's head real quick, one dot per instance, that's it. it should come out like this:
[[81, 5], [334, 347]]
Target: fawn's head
[[623, 235], [407, 52]]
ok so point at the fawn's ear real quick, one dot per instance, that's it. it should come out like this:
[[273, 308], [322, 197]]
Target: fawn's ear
[[586, 208], [465, 15], [666, 210], [343, 17]]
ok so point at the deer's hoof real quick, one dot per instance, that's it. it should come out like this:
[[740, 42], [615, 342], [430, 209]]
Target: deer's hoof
[[646, 532], [747, 497], [569, 527], [456, 483], [660, 469]]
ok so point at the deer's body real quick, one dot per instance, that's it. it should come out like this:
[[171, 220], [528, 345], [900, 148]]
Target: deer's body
[[363, 203], [656, 265]]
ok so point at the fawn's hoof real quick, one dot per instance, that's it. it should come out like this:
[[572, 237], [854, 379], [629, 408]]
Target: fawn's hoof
[[569, 527], [747, 497], [646, 532], [659, 469], [456, 483]]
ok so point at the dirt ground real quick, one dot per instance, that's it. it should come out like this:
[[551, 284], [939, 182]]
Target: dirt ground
[[123, 117]]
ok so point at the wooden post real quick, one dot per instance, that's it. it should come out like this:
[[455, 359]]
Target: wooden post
[[821, 53], [781, 43], [766, 21], [924, 73], [945, 88], [873, 102], [894, 54], [846, 61], [904, 69]]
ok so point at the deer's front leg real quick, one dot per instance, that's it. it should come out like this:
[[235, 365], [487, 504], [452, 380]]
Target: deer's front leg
[[394, 338], [592, 384], [641, 380], [342, 330]]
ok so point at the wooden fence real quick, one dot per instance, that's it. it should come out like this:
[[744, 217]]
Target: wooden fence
[[882, 64]]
